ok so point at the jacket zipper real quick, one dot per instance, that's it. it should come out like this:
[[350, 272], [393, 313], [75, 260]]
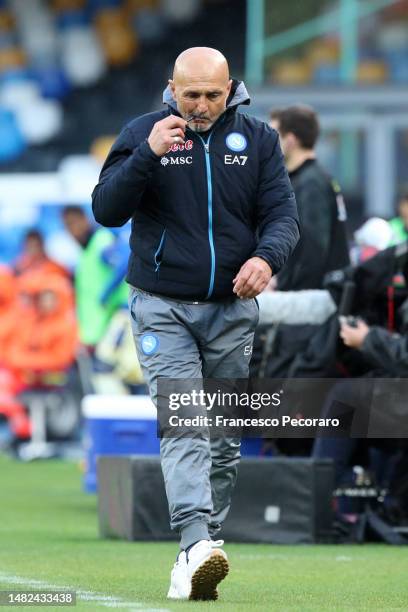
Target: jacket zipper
[[210, 211], [159, 251]]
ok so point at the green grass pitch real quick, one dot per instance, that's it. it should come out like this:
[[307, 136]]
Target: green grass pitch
[[48, 533]]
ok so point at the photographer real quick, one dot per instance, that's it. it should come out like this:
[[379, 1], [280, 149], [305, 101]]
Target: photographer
[[386, 350], [387, 353]]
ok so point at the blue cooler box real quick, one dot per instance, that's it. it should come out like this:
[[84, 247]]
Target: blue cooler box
[[126, 425], [117, 425]]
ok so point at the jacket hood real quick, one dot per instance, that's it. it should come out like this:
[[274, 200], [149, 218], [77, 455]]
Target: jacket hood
[[238, 95]]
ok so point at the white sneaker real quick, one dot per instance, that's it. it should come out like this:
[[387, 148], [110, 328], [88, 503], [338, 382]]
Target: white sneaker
[[180, 583], [207, 565]]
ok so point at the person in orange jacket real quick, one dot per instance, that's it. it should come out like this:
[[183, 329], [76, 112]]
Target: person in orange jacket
[[8, 318], [46, 340], [10, 407], [34, 257]]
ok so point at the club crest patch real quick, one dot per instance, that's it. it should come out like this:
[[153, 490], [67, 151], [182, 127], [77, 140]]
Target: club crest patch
[[236, 141], [149, 343]]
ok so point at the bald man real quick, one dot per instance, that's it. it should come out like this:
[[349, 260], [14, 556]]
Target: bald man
[[213, 217]]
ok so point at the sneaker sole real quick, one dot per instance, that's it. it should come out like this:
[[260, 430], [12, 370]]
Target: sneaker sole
[[207, 576]]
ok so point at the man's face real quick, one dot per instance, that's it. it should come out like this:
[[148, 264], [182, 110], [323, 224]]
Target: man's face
[[34, 247], [286, 140], [77, 225], [47, 302], [202, 96]]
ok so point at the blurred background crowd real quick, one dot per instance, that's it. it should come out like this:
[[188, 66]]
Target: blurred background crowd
[[72, 72]]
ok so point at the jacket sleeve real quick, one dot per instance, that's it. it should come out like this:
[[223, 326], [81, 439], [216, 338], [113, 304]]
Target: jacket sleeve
[[304, 269], [277, 218], [387, 350], [123, 180]]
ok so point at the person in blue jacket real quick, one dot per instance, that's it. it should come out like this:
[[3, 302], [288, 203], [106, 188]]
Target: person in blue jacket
[[213, 217]]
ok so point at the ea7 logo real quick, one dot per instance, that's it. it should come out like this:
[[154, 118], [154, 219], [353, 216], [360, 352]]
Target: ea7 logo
[[235, 159]]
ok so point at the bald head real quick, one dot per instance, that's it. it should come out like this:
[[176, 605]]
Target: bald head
[[201, 86], [200, 62]]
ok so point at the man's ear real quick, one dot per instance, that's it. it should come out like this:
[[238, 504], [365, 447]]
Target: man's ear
[[292, 142], [173, 88], [229, 86]]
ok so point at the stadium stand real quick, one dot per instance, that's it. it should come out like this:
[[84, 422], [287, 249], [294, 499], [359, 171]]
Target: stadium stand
[[43, 48], [124, 71]]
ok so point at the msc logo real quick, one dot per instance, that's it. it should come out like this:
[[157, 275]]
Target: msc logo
[[176, 161], [240, 160]]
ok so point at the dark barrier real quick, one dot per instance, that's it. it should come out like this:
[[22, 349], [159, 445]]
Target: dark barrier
[[277, 501]]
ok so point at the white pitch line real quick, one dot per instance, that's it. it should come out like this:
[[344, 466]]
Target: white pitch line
[[108, 601]]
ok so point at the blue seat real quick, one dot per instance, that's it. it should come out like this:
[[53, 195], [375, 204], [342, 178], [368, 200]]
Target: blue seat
[[12, 143], [8, 39], [96, 5], [326, 74], [398, 63], [72, 19], [14, 74], [52, 81]]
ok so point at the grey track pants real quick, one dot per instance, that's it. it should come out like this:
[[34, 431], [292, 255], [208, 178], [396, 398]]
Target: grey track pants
[[193, 341]]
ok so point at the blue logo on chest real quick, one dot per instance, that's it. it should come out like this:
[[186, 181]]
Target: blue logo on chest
[[236, 141]]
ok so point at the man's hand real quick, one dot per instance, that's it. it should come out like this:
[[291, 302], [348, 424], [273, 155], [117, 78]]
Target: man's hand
[[252, 278], [354, 336], [165, 133]]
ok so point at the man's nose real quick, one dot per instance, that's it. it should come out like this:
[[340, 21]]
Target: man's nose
[[202, 105]]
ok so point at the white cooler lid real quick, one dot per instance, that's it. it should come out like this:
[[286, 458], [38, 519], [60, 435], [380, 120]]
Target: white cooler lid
[[118, 407]]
